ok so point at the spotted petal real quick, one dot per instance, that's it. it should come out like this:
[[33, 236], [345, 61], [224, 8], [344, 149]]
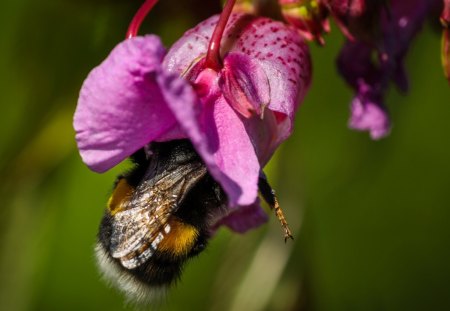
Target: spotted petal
[[244, 84], [277, 48], [219, 136]]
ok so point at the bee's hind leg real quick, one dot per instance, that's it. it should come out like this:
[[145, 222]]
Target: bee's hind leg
[[270, 197]]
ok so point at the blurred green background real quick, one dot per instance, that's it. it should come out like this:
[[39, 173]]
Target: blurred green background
[[371, 219]]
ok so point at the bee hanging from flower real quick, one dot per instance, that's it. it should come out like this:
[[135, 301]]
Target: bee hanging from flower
[[199, 122]]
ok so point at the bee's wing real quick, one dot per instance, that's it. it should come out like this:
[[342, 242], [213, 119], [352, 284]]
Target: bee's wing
[[137, 231]]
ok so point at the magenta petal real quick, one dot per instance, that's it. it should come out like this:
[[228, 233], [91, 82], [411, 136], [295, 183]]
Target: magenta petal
[[225, 148], [190, 47], [244, 84], [120, 108], [368, 115], [233, 151], [244, 218], [187, 112], [278, 49], [264, 135], [281, 53]]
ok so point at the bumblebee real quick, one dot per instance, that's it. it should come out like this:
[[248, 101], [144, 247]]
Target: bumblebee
[[158, 217]]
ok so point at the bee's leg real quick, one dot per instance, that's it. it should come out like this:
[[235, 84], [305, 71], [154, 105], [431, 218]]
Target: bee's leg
[[270, 197]]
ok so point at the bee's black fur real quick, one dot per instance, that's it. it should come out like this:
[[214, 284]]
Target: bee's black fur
[[203, 198]]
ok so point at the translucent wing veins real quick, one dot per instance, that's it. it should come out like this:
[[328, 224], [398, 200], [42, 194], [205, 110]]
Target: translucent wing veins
[[143, 224]]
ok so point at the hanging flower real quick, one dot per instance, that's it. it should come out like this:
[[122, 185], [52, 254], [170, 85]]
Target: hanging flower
[[233, 92], [370, 76], [378, 35]]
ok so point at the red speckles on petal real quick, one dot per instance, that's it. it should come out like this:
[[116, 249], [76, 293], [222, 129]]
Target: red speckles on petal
[[244, 84], [274, 29], [282, 54], [292, 81], [190, 48], [279, 49]]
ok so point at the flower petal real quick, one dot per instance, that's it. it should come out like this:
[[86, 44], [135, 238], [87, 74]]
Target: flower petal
[[190, 48], [244, 84], [358, 19], [219, 136], [355, 63], [120, 108], [264, 135], [278, 48], [281, 53], [233, 151], [188, 114], [371, 78], [368, 113], [244, 218]]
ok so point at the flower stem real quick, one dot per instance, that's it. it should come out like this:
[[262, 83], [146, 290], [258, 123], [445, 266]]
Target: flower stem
[[139, 17], [213, 60]]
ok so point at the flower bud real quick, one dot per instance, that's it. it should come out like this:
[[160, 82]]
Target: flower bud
[[308, 16], [244, 6]]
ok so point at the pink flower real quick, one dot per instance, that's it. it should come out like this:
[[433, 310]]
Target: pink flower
[[235, 114], [370, 77], [379, 34], [368, 113]]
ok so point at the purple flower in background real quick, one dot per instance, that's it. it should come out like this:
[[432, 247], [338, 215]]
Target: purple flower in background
[[378, 35], [236, 104], [369, 82], [357, 19], [370, 77], [368, 113]]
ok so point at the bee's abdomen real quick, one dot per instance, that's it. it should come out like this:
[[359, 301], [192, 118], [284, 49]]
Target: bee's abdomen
[[181, 239], [166, 263]]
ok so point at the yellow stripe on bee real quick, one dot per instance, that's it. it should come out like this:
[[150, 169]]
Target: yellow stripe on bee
[[180, 240], [122, 192]]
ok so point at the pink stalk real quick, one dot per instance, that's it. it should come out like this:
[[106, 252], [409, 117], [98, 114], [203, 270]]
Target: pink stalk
[[213, 60], [139, 17]]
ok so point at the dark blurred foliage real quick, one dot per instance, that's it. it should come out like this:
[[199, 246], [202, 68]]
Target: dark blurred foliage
[[371, 219]]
